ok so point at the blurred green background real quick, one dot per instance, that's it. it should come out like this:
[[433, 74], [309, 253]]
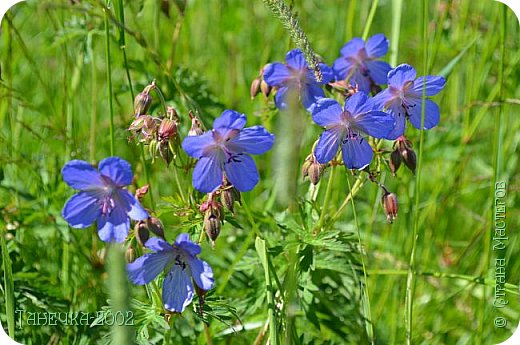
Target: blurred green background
[[54, 106]]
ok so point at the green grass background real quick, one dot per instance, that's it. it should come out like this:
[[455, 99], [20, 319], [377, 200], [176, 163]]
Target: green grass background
[[54, 89]]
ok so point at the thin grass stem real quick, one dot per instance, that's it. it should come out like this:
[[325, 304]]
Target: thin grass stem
[[109, 78]]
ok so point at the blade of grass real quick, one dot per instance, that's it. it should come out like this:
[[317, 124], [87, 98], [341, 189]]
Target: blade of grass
[[397, 9], [109, 77], [8, 284], [410, 280], [370, 18], [273, 325]]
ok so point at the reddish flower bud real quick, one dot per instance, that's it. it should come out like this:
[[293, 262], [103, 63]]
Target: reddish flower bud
[[141, 232], [141, 192], [312, 168], [196, 128], [255, 87], [167, 129], [266, 88], [155, 225], [143, 101], [390, 206], [395, 161]]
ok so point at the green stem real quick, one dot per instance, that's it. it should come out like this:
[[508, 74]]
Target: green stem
[[410, 280], [8, 285], [109, 79], [93, 106], [370, 18], [397, 7], [364, 288], [360, 181], [321, 221]]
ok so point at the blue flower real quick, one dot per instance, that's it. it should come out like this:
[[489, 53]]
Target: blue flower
[[225, 149], [297, 77], [358, 62], [181, 265], [403, 99], [344, 126], [101, 197]]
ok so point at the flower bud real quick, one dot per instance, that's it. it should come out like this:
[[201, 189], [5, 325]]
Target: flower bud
[[212, 226], [165, 152], [265, 88], [409, 159], [196, 128], [155, 225], [130, 254], [143, 101], [141, 192], [395, 161], [171, 113], [390, 206], [167, 129], [141, 232], [312, 168], [255, 87]]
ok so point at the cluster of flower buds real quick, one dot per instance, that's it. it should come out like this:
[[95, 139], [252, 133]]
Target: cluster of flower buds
[[259, 85], [159, 133], [403, 153], [213, 217], [312, 168]]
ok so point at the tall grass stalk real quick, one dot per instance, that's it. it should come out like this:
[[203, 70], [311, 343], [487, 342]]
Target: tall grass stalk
[[370, 18], [8, 284], [397, 9], [410, 280], [365, 297], [109, 78]]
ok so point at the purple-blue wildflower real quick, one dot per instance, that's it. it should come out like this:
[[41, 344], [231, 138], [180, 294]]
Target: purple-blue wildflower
[[358, 62], [101, 197], [226, 149], [403, 99], [180, 264], [344, 126], [296, 76]]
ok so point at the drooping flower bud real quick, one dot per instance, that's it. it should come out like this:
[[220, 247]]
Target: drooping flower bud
[[141, 192], [229, 195], [143, 101], [212, 217], [312, 168], [390, 206], [167, 129], [409, 159], [165, 152], [395, 161], [141, 232], [196, 128], [265, 88], [130, 254], [155, 225], [255, 87]]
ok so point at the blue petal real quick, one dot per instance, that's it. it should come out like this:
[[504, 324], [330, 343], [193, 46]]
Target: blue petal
[[207, 175], [177, 290], [310, 94], [399, 116], [296, 59], [400, 75], [326, 72], [81, 175], [241, 172], [434, 84], [375, 123], [358, 103], [196, 145], [362, 82], [230, 119], [202, 273], [380, 100], [130, 204], [377, 46], [254, 140], [183, 242], [279, 98], [145, 268], [158, 244], [357, 152], [378, 71], [352, 47], [114, 227], [431, 115], [341, 68], [275, 74], [117, 169], [327, 112], [82, 209], [328, 144]]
